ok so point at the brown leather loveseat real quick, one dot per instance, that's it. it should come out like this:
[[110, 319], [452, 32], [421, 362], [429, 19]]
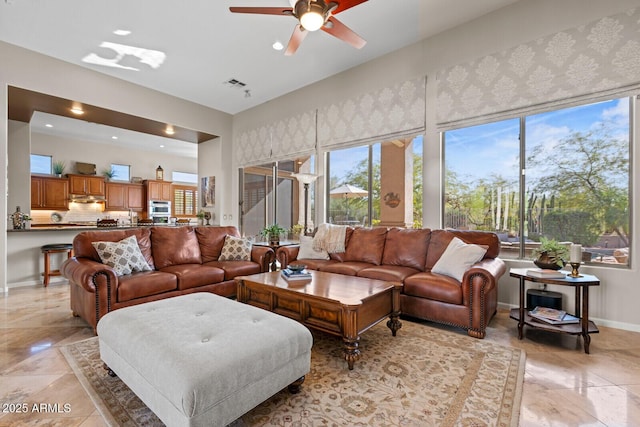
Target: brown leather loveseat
[[181, 259], [408, 256]]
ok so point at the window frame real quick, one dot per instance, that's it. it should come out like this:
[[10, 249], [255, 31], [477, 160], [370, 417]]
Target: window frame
[[633, 100]]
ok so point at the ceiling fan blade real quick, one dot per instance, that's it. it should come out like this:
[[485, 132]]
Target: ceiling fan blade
[[344, 33], [298, 35], [346, 4], [286, 11]]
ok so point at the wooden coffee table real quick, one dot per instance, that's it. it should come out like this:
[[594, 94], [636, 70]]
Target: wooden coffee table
[[341, 305]]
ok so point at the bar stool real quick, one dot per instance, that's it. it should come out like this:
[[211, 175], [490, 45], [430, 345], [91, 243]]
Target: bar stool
[[54, 248]]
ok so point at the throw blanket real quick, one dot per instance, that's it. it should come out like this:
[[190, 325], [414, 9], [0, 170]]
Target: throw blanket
[[330, 238]]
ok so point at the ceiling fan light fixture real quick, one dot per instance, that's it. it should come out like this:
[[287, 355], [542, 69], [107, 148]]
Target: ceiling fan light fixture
[[312, 20]]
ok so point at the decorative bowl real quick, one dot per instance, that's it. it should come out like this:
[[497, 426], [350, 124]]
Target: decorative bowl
[[547, 265], [296, 267]]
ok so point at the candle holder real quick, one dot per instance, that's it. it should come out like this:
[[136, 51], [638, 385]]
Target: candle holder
[[574, 269]]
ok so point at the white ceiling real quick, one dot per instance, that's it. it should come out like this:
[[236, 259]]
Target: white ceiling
[[206, 45]]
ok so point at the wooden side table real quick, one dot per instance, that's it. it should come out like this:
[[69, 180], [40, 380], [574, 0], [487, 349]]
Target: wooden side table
[[582, 283]]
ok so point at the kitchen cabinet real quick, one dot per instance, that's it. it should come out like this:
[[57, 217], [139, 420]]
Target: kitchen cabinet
[[49, 193], [86, 185], [124, 196], [158, 190]]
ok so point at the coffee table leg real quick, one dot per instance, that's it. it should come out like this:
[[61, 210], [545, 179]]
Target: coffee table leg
[[351, 351], [394, 323]]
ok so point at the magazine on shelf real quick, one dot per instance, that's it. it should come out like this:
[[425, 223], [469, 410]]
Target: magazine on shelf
[[548, 313], [566, 319], [546, 273]]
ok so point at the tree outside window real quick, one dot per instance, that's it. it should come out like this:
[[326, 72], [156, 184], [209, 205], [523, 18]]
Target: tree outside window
[[576, 180]]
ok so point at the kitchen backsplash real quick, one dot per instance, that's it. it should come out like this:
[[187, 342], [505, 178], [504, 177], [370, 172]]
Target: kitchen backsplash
[[79, 213]]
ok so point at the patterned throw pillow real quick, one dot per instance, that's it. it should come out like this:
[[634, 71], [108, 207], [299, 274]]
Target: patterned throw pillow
[[235, 249], [124, 256]]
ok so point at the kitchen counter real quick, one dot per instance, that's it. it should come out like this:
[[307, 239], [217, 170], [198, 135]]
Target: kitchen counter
[[24, 258], [83, 227]]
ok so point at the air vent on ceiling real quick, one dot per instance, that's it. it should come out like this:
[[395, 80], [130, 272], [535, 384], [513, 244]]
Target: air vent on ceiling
[[235, 83]]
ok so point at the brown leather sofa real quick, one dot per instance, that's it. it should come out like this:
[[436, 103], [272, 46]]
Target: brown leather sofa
[[407, 256], [182, 259]]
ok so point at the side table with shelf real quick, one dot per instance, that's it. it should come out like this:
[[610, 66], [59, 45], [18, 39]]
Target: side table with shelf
[[581, 286]]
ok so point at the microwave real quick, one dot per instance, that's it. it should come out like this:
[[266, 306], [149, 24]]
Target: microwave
[[159, 208]]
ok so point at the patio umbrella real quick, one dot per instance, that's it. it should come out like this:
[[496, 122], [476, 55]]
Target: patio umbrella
[[348, 191]]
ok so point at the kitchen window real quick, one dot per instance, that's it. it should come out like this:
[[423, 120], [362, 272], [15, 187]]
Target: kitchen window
[[41, 164], [185, 200], [122, 172]]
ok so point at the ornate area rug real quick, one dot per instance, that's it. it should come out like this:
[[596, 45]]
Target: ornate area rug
[[422, 377]]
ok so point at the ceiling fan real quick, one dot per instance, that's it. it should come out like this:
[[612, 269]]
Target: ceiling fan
[[312, 15]]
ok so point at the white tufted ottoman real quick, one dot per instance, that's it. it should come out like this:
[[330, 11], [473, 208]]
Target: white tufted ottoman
[[201, 359]]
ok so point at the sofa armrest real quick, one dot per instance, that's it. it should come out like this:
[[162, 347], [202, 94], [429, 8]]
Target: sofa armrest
[[287, 254], [95, 278], [263, 255], [82, 272], [479, 290]]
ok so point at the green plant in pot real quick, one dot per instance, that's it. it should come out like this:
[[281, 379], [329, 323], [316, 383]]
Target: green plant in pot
[[58, 168], [551, 254], [109, 174], [272, 233]]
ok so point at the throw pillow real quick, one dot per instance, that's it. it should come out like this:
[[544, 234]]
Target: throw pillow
[[307, 252], [123, 256], [458, 258], [235, 249]]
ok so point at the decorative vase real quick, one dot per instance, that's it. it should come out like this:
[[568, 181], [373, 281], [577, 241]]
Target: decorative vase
[[274, 239], [544, 261]]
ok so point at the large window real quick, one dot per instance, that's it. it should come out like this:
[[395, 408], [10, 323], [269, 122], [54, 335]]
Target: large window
[[377, 184], [567, 179], [272, 195]]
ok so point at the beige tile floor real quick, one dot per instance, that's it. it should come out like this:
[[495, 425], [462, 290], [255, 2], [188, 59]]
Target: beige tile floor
[[563, 386]]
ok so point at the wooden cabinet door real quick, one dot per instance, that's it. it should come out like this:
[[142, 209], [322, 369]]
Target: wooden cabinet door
[[87, 185], [95, 186], [135, 197], [154, 192], [55, 194], [166, 191], [36, 192], [116, 197], [77, 184]]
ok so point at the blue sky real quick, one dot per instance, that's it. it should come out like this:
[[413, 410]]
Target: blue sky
[[473, 149], [343, 161]]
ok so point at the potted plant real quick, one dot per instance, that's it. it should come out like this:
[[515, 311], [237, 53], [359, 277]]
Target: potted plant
[[272, 233], [26, 221], [551, 254], [296, 230], [201, 215], [58, 168], [109, 173]]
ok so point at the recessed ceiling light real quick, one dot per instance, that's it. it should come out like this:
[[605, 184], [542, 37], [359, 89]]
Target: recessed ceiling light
[[161, 146], [114, 137], [49, 125], [122, 32], [277, 45], [169, 130], [77, 110]]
